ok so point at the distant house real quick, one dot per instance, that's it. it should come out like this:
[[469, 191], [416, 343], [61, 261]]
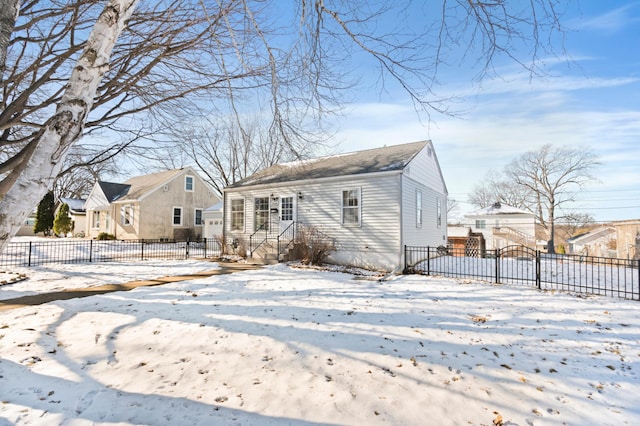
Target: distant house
[[77, 213], [627, 238], [27, 227], [503, 225], [369, 203], [165, 205], [213, 221], [598, 242]]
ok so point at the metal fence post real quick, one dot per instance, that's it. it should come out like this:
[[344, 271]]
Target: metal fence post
[[141, 248], [186, 255], [29, 261], [428, 261], [205, 247], [90, 251], [538, 277], [497, 257]]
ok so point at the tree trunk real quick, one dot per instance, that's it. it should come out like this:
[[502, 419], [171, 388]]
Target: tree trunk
[[33, 177], [8, 16]]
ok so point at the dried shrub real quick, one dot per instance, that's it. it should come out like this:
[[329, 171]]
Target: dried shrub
[[314, 245]]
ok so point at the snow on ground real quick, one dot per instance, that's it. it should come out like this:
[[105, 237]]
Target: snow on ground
[[59, 277], [289, 346]]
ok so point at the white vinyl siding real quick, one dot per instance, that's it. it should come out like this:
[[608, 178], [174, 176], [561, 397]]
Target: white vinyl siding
[[418, 208]]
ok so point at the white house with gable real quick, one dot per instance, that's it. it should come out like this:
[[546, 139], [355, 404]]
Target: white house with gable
[[369, 203], [503, 225]]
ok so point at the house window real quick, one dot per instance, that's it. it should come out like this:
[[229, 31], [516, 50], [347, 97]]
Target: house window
[[96, 219], [188, 183], [237, 215], [286, 208], [351, 210], [439, 213], [198, 217], [261, 220], [127, 215], [177, 216], [418, 209], [481, 224], [107, 222]]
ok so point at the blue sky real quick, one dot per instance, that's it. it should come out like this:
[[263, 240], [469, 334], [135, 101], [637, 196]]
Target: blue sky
[[589, 96]]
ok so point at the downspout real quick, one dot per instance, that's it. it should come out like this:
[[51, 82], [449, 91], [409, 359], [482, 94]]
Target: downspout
[[401, 248], [224, 221]]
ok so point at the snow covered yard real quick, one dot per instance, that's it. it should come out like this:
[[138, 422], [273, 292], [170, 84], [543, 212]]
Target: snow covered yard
[[290, 346]]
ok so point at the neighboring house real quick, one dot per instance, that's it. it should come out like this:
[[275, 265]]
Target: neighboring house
[[597, 242], [213, 221], [503, 225], [628, 238], [165, 205], [369, 203], [77, 213], [27, 227]]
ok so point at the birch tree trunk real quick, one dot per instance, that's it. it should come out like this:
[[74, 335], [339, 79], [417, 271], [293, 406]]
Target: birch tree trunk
[[8, 15], [27, 183]]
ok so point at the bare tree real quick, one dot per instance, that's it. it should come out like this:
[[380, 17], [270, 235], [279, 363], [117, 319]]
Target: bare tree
[[552, 174], [177, 57], [8, 16], [498, 188], [31, 172], [574, 222]]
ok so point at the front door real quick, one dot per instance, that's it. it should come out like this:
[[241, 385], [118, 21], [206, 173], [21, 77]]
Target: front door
[[287, 211]]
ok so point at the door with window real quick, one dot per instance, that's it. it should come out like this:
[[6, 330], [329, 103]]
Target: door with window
[[287, 211]]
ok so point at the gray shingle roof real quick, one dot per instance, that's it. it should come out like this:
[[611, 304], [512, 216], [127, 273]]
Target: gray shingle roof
[[113, 191], [388, 158]]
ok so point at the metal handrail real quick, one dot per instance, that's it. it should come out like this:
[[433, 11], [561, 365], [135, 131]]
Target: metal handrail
[[289, 229], [266, 236]]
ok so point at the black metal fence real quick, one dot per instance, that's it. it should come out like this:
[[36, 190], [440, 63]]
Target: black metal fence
[[33, 253], [521, 265]]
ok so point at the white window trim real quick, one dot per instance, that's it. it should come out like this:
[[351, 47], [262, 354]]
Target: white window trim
[[244, 214], [342, 207], [95, 225], [195, 216], [181, 215], [439, 212], [193, 183], [124, 215]]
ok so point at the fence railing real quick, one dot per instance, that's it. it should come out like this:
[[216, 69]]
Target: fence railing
[[521, 265], [33, 253]]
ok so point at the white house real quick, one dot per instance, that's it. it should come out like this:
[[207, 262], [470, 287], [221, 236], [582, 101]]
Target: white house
[[599, 242], [503, 225], [369, 203]]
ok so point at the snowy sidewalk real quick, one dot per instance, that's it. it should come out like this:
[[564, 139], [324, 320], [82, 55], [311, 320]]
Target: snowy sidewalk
[[74, 293]]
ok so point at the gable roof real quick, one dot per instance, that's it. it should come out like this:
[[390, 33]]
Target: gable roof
[[592, 235], [498, 209], [113, 191], [76, 205], [141, 185], [388, 158]]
